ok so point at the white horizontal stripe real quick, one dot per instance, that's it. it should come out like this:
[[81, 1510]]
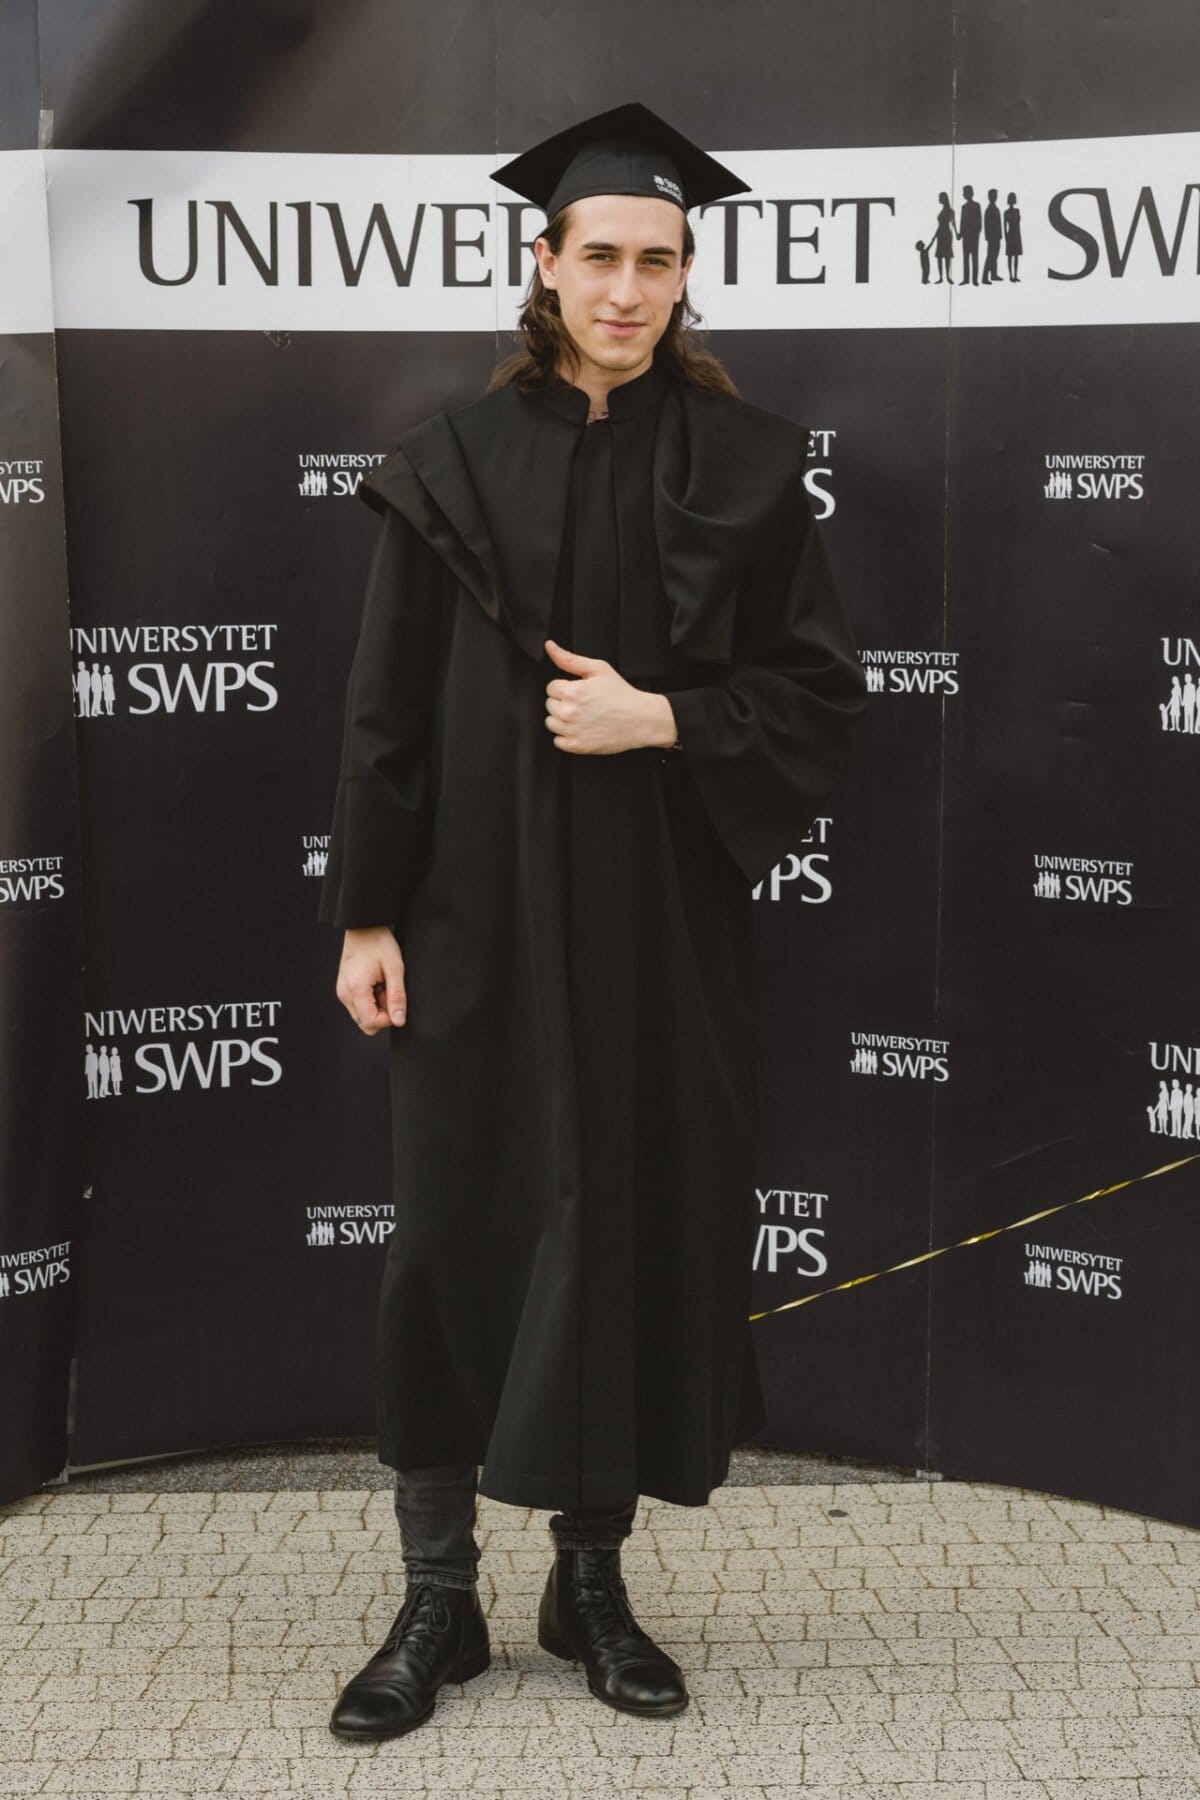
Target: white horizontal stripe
[[24, 244], [855, 216]]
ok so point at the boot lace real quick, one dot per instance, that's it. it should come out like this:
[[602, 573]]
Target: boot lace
[[604, 1596], [423, 1618]]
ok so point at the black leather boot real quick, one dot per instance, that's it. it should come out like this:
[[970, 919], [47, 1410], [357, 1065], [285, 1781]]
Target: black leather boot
[[585, 1615], [439, 1634]]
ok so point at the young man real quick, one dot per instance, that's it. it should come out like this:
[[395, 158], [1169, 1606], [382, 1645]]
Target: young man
[[603, 684]]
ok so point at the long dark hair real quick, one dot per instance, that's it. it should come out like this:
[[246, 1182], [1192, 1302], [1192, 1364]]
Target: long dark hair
[[547, 342]]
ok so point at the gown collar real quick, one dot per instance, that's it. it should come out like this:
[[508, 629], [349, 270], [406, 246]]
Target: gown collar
[[625, 399]]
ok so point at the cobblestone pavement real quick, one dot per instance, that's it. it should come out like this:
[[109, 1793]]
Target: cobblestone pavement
[[919, 1640]]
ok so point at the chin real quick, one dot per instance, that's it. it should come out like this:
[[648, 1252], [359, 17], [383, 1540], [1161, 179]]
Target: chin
[[622, 353]]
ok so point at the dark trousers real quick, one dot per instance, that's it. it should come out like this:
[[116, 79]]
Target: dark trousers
[[436, 1513]]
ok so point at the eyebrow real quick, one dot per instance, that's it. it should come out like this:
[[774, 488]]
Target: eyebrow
[[650, 249]]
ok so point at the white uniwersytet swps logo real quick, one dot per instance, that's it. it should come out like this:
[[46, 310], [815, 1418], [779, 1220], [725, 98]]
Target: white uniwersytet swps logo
[[1095, 878], [916, 1058], [209, 1047], [31, 880], [791, 1232], [933, 672], [806, 876], [349, 1225], [168, 669], [334, 474], [1073, 1271], [1095, 475], [39, 1270], [1175, 1109], [1179, 708], [21, 482]]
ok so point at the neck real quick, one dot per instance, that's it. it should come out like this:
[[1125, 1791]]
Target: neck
[[598, 382]]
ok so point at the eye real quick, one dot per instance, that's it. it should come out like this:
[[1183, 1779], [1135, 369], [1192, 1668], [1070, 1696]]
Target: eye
[[602, 255]]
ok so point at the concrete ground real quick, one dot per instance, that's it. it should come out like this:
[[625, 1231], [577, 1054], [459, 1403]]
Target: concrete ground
[[183, 1627]]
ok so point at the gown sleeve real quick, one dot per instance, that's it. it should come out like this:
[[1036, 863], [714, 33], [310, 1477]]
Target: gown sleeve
[[381, 827], [767, 741]]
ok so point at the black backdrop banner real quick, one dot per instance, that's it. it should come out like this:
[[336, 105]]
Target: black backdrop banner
[[253, 245]]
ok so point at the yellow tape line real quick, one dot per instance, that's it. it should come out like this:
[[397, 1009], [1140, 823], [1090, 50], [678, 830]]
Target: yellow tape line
[[979, 1238]]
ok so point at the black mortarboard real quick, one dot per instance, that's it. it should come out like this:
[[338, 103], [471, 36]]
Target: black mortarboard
[[628, 150]]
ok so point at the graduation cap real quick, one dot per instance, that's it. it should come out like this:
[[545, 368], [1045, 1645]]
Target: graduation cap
[[627, 150]]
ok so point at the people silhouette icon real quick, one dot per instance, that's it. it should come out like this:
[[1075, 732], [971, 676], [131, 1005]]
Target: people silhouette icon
[[1012, 236], [944, 234], [970, 225], [992, 232]]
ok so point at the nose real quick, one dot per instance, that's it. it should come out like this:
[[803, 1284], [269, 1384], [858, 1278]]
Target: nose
[[626, 287]]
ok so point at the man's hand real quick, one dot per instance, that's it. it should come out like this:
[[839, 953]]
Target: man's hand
[[600, 712], [370, 982]]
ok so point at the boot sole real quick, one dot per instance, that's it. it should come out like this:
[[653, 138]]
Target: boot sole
[[557, 1648], [379, 1737], [464, 1671]]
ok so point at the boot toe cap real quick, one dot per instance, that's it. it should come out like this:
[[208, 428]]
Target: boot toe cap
[[377, 1712], [648, 1687]]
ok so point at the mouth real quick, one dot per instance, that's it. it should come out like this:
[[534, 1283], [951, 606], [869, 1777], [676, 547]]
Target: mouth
[[620, 327]]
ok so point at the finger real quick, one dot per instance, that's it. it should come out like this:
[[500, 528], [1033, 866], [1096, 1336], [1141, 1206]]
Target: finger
[[396, 998], [346, 996], [364, 999], [579, 660], [360, 1014]]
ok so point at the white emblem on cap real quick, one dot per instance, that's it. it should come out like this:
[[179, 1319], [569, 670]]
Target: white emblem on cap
[[672, 187]]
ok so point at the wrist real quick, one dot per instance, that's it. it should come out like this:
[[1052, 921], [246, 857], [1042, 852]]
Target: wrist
[[663, 731]]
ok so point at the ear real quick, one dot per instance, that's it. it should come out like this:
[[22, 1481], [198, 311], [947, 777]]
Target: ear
[[546, 260]]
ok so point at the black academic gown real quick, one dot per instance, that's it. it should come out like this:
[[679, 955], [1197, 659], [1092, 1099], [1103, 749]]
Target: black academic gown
[[564, 1298]]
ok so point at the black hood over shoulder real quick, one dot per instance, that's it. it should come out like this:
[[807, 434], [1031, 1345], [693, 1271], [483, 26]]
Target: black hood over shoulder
[[487, 486]]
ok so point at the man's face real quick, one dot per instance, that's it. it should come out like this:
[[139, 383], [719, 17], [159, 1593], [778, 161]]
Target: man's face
[[620, 264]]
